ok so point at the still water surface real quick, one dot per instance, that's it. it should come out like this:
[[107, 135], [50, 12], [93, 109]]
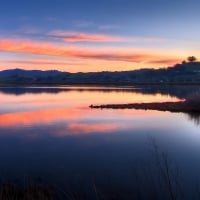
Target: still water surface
[[51, 135]]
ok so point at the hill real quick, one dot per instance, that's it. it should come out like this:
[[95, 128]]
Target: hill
[[186, 73], [29, 73]]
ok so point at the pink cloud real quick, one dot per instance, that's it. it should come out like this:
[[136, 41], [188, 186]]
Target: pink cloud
[[84, 37], [109, 54], [90, 37]]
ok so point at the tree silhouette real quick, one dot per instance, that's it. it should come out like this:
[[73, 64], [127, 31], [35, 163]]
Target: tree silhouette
[[191, 59]]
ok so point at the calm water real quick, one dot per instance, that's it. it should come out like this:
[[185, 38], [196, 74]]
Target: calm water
[[51, 135]]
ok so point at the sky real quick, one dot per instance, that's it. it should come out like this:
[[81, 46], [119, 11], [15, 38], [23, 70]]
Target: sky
[[97, 35]]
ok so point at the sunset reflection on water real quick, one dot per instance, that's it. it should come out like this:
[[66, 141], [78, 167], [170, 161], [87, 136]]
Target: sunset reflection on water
[[70, 110], [52, 134]]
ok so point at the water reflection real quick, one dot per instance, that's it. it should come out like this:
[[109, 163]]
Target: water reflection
[[74, 121], [171, 90], [58, 138], [195, 117], [73, 99]]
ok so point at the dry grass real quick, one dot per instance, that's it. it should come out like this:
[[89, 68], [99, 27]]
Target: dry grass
[[33, 192]]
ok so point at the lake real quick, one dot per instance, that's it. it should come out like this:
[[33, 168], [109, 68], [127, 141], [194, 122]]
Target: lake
[[50, 135]]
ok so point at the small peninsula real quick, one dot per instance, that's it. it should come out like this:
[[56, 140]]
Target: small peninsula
[[189, 105]]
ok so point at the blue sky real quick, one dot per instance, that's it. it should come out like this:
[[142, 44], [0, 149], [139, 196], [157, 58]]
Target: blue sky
[[90, 35]]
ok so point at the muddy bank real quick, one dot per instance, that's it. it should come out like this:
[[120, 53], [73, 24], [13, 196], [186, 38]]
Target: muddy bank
[[182, 106]]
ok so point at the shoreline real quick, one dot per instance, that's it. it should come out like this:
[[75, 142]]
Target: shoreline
[[181, 106]]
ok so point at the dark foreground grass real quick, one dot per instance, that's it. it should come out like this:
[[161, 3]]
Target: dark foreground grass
[[32, 192], [157, 179]]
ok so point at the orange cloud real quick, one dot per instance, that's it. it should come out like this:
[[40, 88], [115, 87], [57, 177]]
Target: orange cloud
[[165, 61], [43, 62], [109, 54]]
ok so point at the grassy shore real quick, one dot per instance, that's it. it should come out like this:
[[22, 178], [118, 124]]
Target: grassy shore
[[190, 105], [164, 106]]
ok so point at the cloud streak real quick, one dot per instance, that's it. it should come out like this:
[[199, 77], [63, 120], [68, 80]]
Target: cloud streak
[[164, 61], [43, 62], [84, 37], [90, 37], [108, 54]]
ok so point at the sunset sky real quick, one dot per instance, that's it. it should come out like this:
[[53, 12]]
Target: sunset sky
[[103, 35]]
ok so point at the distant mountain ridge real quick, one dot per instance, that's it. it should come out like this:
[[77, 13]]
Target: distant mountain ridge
[[185, 73], [29, 73]]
